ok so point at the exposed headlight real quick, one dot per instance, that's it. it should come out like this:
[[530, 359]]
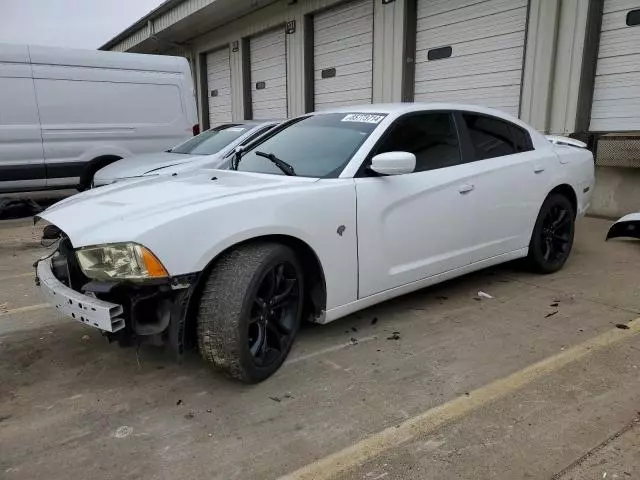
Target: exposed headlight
[[120, 261]]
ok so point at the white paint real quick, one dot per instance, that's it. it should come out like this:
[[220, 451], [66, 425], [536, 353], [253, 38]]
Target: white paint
[[487, 40], [343, 40], [616, 96], [123, 432], [324, 351], [62, 106], [413, 230]]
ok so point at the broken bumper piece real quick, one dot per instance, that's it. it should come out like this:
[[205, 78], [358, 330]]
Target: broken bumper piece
[[91, 311], [627, 226]]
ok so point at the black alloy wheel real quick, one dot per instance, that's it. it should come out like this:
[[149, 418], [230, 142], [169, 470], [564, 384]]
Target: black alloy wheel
[[274, 315], [250, 310], [553, 233], [557, 230]]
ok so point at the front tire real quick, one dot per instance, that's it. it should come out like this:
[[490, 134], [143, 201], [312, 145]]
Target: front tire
[[250, 310], [552, 237]]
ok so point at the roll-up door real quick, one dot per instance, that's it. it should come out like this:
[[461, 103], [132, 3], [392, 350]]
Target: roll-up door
[[219, 87], [470, 51], [616, 96], [268, 64], [343, 55]]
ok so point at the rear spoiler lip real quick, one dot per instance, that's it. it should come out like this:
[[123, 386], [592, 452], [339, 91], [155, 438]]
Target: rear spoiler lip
[[560, 140]]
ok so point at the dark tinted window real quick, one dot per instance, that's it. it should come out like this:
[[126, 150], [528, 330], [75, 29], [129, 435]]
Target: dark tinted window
[[439, 53], [490, 136], [431, 137], [633, 18], [521, 139]]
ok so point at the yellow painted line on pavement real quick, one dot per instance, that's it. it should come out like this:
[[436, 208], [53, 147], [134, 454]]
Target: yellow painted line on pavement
[[18, 275], [428, 421], [30, 308]]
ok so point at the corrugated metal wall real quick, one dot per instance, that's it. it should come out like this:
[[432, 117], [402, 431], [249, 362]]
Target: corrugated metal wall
[[616, 96], [132, 40], [553, 76]]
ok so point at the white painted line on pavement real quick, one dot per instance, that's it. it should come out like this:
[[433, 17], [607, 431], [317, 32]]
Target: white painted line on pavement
[[30, 308], [324, 351], [18, 275]]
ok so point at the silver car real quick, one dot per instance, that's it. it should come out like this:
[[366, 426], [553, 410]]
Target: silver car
[[210, 149]]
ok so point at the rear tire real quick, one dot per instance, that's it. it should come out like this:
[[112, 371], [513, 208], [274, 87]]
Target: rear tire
[[552, 237], [250, 310]]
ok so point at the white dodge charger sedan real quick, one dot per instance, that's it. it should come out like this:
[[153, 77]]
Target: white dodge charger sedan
[[326, 214]]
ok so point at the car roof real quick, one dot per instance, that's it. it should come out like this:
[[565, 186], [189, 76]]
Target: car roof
[[402, 108], [256, 123]]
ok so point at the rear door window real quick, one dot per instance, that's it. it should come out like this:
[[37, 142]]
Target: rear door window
[[521, 139], [490, 137]]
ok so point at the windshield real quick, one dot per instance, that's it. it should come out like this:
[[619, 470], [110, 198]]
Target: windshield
[[211, 141], [317, 146]]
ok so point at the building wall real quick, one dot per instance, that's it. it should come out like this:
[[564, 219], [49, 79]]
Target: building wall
[[388, 49], [557, 83]]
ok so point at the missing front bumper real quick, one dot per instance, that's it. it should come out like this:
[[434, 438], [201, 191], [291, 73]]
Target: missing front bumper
[[91, 311]]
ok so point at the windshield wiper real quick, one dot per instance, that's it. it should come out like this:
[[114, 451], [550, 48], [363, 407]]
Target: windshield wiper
[[281, 164]]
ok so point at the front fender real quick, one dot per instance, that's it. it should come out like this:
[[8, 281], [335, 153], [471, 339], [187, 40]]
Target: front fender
[[322, 215]]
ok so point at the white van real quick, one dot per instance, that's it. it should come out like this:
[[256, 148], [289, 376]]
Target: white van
[[64, 114]]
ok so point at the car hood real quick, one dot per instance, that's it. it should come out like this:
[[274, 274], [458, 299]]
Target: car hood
[[138, 165], [123, 210]]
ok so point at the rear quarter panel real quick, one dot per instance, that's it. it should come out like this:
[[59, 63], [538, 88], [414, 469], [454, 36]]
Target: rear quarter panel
[[578, 170]]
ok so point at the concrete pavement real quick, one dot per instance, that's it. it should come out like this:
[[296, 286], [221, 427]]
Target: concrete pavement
[[73, 406]]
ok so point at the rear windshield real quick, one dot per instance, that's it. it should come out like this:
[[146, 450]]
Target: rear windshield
[[318, 146], [211, 141]]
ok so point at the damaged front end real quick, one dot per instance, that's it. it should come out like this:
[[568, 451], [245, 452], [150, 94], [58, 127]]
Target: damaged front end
[[126, 310], [627, 226]]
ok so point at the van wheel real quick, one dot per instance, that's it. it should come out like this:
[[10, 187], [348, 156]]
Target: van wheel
[[552, 237], [90, 169], [250, 311]]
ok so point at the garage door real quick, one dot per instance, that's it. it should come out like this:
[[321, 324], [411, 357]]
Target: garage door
[[343, 55], [219, 87], [268, 63], [616, 97], [471, 51]]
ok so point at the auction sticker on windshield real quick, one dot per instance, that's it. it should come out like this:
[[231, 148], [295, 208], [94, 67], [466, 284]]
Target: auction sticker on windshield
[[363, 118]]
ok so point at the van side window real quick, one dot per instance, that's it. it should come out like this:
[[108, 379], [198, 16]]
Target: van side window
[[492, 137], [431, 137]]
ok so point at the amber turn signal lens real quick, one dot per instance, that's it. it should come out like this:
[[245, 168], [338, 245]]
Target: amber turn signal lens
[[155, 269]]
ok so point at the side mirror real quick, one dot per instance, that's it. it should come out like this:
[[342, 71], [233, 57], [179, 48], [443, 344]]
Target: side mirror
[[393, 163]]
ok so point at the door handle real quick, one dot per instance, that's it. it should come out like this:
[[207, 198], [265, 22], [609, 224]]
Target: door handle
[[466, 188], [538, 169]]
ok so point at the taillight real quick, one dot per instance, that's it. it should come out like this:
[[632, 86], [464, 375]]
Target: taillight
[[196, 129]]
